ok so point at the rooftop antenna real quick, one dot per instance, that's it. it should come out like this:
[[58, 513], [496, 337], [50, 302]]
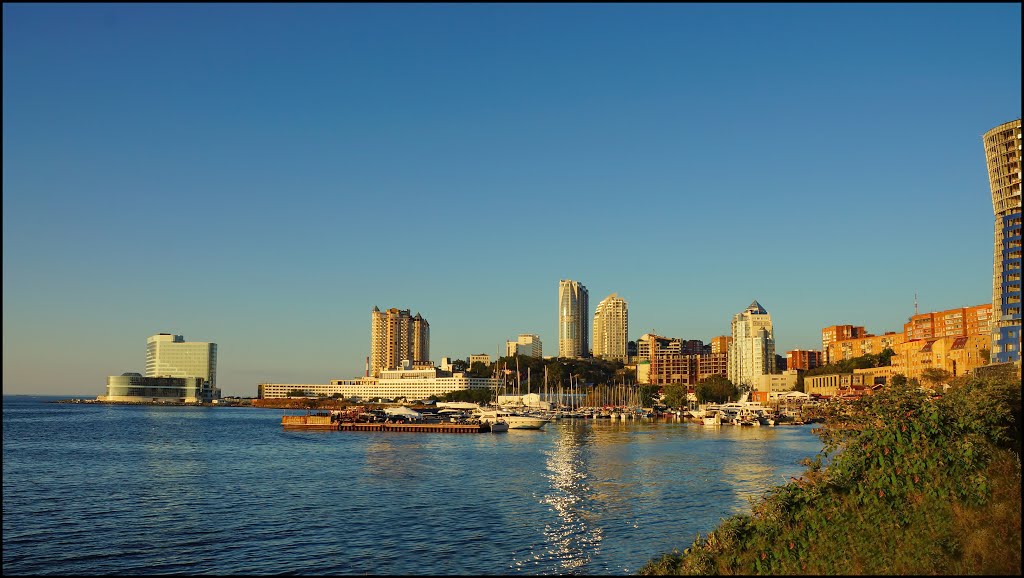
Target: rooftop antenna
[[915, 303]]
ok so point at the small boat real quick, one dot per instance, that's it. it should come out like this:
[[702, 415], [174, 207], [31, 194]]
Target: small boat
[[499, 426], [712, 417]]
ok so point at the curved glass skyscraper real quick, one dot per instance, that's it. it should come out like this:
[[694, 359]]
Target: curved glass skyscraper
[[1003, 157], [573, 325]]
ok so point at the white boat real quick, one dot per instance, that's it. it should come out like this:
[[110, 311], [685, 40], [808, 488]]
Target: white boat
[[515, 421], [712, 417]]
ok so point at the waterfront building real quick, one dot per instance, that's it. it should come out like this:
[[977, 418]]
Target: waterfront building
[[479, 357], [171, 356], [803, 359], [573, 321], [397, 336], [752, 351], [835, 384], [962, 321], [957, 355], [406, 382], [775, 383], [867, 344], [835, 333], [720, 344], [133, 387], [527, 344], [1003, 159], [177, 371], [611, 327]]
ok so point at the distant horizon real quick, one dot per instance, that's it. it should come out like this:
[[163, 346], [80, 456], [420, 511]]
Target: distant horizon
[[261, 176]]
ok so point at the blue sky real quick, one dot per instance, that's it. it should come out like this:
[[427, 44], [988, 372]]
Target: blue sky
[[262, 176]]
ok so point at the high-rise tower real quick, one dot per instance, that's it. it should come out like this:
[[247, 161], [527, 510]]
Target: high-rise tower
[[611, 325], [752, 349], [397, 336], [1003, 157], [573, 324]]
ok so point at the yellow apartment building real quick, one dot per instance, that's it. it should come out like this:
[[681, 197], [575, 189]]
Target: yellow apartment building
[[957, 355], [870, 344]]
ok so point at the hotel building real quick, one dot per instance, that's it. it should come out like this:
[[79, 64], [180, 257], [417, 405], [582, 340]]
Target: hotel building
[[171, 356], [752, 351], [395, 337], [176, 371], [1003, 159], [611, 326], [573, 320]]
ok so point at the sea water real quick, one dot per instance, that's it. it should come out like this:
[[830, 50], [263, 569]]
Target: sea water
[[117, 489]]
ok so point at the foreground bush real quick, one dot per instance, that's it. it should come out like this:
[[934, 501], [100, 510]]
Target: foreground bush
[[906, 484]]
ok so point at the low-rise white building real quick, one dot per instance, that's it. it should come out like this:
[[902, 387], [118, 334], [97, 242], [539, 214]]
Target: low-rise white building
[[392, 384]]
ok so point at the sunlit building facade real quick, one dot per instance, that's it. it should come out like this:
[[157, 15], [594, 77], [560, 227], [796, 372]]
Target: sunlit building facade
[[1003, 159], [171, 356], [528, 344], [752, 351], [611, 327], [976, 320], [835, 333], [397, 336], [177, 371], [573, 319]]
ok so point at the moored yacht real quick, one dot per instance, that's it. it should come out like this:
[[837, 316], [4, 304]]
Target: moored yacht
[[514, 420]]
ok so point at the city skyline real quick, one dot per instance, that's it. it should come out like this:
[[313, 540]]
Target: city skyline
[[234, 172]]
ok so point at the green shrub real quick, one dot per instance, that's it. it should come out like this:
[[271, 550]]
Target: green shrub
[[906, 484]]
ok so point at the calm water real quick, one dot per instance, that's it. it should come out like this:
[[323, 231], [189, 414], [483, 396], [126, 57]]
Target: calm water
[[96, 489]]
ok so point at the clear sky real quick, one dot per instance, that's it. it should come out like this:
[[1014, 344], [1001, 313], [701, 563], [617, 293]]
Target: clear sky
[[261, 176]]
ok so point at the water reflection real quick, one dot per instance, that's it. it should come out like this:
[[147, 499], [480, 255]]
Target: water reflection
[[572, 540]]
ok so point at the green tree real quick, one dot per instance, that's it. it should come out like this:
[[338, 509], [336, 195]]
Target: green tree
[[460, 366], [716, 389], [298, 393], [479, 369], [674, 395], [898, 379]]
